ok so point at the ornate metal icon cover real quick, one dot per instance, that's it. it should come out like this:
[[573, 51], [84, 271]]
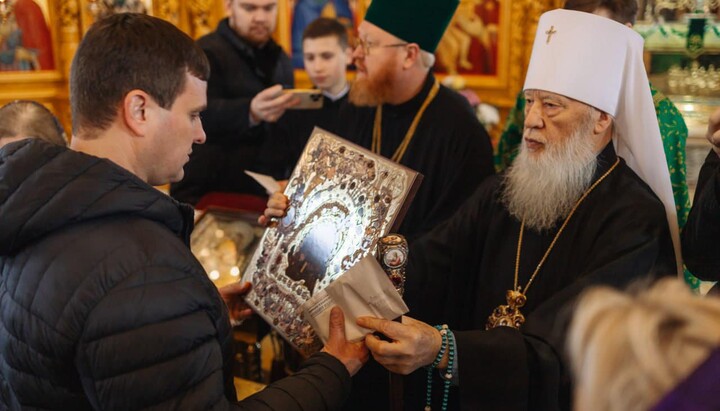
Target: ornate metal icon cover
[[342, 198]]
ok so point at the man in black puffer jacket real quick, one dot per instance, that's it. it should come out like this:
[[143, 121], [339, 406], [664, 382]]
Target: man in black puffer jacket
[[102, 305], [248, 72]]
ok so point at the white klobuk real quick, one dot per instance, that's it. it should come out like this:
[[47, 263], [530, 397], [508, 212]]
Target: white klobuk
[[598, 61]]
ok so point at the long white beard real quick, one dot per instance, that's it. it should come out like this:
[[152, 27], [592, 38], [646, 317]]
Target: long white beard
[[542, 189]]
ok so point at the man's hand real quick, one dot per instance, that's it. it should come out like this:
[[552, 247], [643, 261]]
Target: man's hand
[[352, 355], [414, 344], [234, 296], [713, 132], [270, 104], [277, 206]]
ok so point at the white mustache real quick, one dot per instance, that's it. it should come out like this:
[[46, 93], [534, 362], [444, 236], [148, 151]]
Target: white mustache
[[532, 134], [543, 189]]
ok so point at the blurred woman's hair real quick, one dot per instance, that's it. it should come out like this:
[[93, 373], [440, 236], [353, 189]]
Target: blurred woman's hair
[[628, 349], [26, 118]]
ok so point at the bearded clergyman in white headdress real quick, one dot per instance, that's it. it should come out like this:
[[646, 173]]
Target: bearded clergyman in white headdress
[[588, 201]]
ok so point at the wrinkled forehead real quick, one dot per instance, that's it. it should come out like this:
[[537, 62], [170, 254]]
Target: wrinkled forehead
[[569, 102], [538, 94]]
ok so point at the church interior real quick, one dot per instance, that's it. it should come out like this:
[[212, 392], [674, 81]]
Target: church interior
[[483, 55]]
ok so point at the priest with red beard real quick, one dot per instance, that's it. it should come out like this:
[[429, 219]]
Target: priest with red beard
[[399, 109], [588, 201]]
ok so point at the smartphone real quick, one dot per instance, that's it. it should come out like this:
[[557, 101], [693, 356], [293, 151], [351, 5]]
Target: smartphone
[[309, 98]]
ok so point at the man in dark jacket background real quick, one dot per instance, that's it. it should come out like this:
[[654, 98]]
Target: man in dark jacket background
[[102, 304], [248, 73]]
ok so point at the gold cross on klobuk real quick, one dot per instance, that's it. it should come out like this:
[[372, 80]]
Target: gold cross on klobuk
[[550, 33]]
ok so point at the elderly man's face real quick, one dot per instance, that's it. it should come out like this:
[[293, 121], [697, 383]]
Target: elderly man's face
[[551, 119], [557, 160]]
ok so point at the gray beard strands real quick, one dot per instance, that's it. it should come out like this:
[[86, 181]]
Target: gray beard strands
[[541, 191]]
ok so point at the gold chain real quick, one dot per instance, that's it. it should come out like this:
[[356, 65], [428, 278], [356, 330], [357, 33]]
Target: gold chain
[[377, 126], [562, 227]]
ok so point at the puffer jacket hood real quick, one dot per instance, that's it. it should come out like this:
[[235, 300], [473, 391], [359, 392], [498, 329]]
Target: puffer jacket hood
[[39, 196]]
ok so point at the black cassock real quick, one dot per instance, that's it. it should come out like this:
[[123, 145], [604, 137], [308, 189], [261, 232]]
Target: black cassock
[[289, 135], [459, 273], [702, 230], [453, 152], [450, 148]]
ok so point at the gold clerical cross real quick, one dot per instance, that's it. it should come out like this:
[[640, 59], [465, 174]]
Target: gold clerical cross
[[508, 315], [550, 33]]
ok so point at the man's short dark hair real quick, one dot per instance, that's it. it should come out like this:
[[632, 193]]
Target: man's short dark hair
[[26, 118], [129, 51], [622, 11], [325, 27]]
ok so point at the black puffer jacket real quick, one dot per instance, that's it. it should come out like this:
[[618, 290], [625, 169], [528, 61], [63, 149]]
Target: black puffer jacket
[[102, 305]]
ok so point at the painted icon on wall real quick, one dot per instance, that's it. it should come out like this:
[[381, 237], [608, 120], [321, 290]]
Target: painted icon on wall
[[470, 44], [305, 11], [25, 39]]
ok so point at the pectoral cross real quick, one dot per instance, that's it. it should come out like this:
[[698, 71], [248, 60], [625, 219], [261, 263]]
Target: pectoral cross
[[550, 33]]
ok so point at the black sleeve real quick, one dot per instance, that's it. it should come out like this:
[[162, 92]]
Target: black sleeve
[[161, 320], [440, 263], [152, 342], [225, 117], [322, 384], [506, 369], [702, 230], [277, 154], [473, 163], [285, 72]]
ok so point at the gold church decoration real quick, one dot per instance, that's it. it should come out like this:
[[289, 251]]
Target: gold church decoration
[[5, 10], [168, 10], [200, 17], [70, 19]]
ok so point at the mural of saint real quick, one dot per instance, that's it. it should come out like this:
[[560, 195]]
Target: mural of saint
[[470, 44], [305, 11], [25, 41]]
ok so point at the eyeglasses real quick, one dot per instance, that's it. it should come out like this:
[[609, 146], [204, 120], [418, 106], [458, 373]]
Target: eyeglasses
[[366, 45]]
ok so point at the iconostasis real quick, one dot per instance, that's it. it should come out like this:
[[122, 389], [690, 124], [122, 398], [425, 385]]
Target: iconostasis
[[484, 51]]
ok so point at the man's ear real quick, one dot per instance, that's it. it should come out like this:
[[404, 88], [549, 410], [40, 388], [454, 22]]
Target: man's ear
[[412, 55], [603, 123], [136, 111]]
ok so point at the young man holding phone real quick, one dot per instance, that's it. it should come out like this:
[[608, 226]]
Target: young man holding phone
[[326, 54], [249, 70]]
